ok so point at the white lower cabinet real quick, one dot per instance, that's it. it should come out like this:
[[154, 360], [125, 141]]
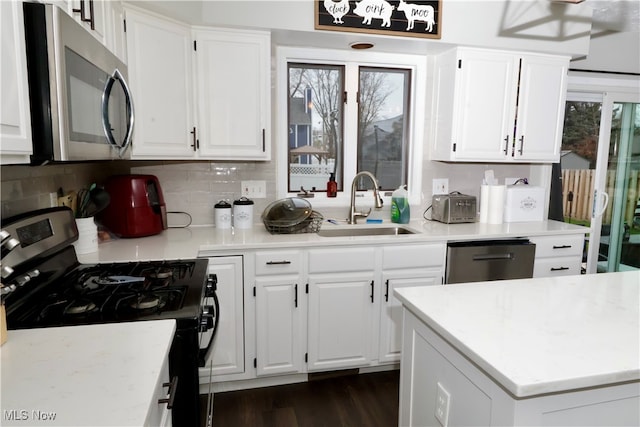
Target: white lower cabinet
[[342, 304], [341, 315], [227, 356], [160, 413], [333, 308], [410, 265], [559, 255], [280, 310]]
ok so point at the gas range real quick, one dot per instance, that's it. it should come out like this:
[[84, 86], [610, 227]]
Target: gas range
[[117, 292], [44, 285]]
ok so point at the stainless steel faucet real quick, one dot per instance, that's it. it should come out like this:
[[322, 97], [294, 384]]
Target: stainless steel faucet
[[353, 215]]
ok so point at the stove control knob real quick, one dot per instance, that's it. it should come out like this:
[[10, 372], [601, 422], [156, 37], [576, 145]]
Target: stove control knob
[[22, 280], [211, 286], [206, 318]]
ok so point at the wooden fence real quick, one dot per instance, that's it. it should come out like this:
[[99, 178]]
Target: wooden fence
[[577, 194]]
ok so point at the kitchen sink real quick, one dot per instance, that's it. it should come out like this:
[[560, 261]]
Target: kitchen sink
[[364, 231]]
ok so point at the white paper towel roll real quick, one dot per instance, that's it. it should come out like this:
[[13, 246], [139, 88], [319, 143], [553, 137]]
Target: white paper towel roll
[[484, 203], [496, 204]]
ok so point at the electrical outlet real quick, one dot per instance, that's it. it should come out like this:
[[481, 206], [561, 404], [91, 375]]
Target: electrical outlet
[[443, 401], [440, 186], [53, 199], [254, 189]]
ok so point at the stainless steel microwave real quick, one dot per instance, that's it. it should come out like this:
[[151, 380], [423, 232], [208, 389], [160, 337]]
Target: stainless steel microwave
[[81, 106]]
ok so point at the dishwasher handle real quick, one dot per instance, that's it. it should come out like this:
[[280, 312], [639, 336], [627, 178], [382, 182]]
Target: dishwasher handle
[[492, 257]]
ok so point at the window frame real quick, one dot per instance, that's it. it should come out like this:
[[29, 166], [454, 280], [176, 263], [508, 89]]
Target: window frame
[[352, 61]]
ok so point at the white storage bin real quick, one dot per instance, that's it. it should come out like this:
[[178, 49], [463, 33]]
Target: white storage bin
[[524, 203]]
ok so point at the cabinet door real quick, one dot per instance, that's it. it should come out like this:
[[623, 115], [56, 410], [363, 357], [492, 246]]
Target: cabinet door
[[391, 309], [233, 94], [279, 325], [543, 86], [485, 101], [227, 356], [116, 38], [92, 15], [340, 320], [160, 76], [15, 118]]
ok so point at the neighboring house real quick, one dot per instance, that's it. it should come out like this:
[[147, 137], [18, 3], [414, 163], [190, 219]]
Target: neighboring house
[[300, 126], [571, 160]]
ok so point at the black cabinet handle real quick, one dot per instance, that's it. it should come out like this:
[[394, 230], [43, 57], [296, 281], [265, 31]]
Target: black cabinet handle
[[561, 246], [506, 145], [521, 145], [285, 262], [386, 294], [195, 142], [173, 385], [372, 291], [559, 268], [295, 298]]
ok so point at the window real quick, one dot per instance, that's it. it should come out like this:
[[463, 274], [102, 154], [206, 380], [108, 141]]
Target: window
[[345, 113]]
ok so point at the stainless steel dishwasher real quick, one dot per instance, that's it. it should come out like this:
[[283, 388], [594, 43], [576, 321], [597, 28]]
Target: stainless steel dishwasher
[[482, 260]]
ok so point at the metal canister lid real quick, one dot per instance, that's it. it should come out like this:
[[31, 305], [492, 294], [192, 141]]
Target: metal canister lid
[[222, 204], [243, 201]]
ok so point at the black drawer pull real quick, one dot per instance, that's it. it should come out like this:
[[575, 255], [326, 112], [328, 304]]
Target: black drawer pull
[[172, 392], [559, 268], [561, 247], [278, 262]]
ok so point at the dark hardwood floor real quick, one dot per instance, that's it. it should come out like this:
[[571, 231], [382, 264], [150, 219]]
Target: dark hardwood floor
[[351, 400]]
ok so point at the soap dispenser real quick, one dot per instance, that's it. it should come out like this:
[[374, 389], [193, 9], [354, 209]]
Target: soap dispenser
[[332, 186], [400, 213]]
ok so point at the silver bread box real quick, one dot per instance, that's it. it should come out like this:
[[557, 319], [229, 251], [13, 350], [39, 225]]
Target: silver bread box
[[453, 208]]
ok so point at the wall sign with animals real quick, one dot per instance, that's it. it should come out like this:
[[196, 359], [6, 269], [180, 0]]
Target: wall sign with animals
[[406, 18]]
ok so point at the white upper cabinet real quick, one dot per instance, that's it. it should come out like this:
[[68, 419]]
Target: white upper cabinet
[[494, 106], [15, 118], [233, 94], [160, 77], [93, 15]]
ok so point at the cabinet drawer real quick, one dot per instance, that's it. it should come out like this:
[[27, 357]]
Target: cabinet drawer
[[341, 260], [555, 246], [277, 262], [563, 266], [413, 256]]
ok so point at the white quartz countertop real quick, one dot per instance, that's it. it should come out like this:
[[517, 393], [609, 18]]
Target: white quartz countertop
[[537, 336], [191, 242], [90, 375]]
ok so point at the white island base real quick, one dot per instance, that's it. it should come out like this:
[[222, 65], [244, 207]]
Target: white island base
[[449, 379]]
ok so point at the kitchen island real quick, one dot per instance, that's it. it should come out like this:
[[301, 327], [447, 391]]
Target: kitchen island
[[547, 351], [89, 375]]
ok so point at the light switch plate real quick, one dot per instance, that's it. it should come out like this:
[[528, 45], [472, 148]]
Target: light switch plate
[[254, 189], [440, 186]]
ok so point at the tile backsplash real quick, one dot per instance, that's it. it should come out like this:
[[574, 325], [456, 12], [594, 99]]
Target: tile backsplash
[[194, 187]]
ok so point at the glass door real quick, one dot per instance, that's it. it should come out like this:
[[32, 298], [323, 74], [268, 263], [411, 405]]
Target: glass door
[[619, 247], [600, 183]]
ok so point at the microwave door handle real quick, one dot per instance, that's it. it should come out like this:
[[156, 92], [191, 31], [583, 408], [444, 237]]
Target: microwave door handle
[[106, 95]]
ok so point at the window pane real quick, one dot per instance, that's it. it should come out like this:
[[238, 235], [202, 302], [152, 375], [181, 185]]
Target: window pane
[[315, 126], [382, 124]]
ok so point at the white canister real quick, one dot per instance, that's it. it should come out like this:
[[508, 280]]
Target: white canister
[[87, 236], [222, 214], [243, 213]]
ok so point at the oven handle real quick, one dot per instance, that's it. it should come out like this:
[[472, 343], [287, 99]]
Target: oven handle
[[203, 353]]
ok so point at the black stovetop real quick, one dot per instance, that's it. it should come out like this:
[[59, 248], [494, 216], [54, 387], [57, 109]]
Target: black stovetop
[[68, 293]]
